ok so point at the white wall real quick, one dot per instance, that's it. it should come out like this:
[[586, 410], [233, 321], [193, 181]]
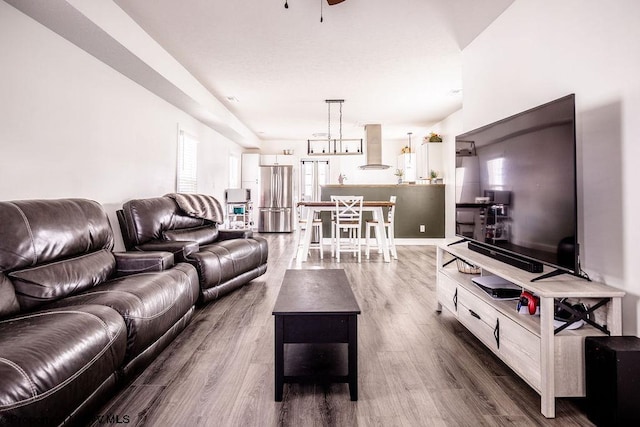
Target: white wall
[[448, 129], [540, 50], [70, 126]]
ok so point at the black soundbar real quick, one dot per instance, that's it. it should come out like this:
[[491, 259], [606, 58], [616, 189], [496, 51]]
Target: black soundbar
[[521, 263]]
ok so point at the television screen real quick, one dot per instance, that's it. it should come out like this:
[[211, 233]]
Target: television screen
[[516, 185]]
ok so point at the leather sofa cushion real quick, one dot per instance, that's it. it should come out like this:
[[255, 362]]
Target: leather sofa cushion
[[49, 282], [50, 361], [150, 303], [8, 302], [40, 231], [202, 235]]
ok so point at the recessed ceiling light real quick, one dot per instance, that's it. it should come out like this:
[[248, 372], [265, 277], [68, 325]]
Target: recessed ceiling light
[[232, 99]]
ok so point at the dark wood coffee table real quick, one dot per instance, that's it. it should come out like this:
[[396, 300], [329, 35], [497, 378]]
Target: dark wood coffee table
[[315, 315]]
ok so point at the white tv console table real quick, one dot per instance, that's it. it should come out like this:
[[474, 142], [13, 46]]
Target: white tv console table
[[551, 362]]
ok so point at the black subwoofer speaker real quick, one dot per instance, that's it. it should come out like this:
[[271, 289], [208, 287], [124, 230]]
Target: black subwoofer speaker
[[613, 380]]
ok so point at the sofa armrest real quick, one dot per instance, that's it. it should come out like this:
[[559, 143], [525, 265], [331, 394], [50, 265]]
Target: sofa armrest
[[234, 234], [140, 262], [180, 249]]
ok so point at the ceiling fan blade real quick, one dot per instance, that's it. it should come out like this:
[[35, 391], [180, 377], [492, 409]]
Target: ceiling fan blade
[[332, 2]]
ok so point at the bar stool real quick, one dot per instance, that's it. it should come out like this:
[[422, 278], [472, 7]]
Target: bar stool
[[302, 227], [389, 228], [348, 217]]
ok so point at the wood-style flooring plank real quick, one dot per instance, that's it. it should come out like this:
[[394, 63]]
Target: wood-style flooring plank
[[416, 367]]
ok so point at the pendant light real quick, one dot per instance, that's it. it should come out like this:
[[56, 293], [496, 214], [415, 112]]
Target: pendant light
[[335, 145]]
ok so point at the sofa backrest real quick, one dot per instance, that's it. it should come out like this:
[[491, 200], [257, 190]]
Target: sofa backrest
[[145, 220], [35, 232], [51, 248]]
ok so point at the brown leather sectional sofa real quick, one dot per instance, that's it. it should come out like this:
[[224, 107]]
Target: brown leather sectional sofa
[[224, 259], [78, 320]]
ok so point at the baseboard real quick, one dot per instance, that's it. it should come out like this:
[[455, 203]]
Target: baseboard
[[402, 242], [419, 242]]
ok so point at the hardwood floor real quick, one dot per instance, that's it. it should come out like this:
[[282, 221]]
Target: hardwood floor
[[416, 367]]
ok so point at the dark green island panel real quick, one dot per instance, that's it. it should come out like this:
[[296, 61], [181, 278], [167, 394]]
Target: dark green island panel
[[415, 205]]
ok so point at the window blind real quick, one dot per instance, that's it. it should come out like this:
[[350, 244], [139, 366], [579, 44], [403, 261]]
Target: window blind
[[187, 170]]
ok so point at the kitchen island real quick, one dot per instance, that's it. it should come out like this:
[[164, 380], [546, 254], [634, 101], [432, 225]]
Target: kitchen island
[[416, 205]]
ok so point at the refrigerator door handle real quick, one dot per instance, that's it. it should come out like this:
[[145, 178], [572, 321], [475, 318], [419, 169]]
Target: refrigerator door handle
[[273, 188], [278, 189]]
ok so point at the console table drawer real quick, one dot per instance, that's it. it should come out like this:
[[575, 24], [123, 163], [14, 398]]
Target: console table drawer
[[515, 345], [520, 349], [480, 318]]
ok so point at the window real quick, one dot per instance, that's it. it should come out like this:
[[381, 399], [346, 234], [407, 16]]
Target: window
[[187, 170]]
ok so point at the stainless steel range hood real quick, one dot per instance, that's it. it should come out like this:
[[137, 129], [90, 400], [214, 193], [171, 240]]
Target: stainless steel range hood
[[373, 139]]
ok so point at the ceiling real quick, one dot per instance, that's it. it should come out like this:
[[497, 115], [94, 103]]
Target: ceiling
[[397, 63]]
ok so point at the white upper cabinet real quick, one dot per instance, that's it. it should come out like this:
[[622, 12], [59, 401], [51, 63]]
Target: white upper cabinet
[[278, 159], [250, 167]]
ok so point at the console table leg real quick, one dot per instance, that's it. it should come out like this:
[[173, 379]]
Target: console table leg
[[547, 350], [279, 357], [614, 317]]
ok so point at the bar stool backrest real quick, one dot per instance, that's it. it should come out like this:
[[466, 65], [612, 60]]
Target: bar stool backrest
[[348, 209]]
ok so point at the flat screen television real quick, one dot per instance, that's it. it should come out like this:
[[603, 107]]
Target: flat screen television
[[516, 197]]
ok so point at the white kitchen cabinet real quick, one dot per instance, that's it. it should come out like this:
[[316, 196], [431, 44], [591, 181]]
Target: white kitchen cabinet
[[407, 162], [422, 161], [278, 159], [250, 168], [428, 158]]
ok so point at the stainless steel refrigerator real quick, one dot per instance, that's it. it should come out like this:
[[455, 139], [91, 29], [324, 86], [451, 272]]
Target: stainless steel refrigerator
[[275, 210]]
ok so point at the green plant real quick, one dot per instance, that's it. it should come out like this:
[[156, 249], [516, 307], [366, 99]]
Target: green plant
[[433, 174], [399, 173], [434, 137]]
